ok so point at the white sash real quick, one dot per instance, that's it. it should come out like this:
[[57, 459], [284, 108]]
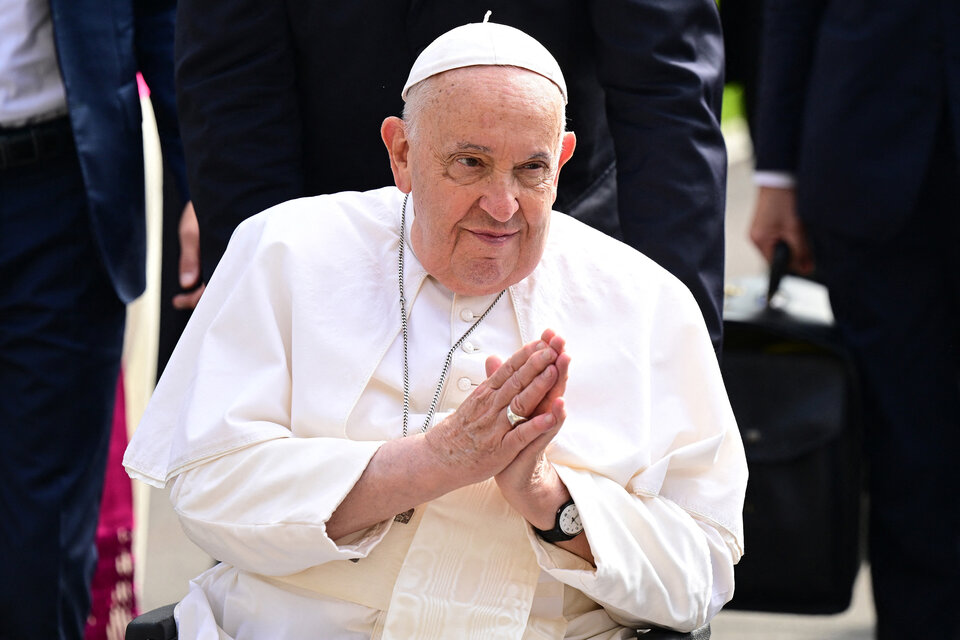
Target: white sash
[[461, 568]]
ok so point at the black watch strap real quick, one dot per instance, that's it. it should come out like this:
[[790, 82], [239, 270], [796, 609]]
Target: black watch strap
[[567, 525]]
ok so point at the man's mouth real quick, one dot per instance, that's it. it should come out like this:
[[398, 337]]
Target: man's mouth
[[493, 237]]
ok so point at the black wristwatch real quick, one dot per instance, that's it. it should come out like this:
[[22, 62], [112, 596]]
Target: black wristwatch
[[567, 526]]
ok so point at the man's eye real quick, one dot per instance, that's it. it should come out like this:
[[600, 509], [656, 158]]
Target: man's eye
[[467, 169], [532, 174]]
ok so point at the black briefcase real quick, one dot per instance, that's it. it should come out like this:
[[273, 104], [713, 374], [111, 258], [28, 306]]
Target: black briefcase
[[794, 391]]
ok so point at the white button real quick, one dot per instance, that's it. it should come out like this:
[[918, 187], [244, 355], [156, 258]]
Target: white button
[[463, 384], [466, 315], [469, 347]]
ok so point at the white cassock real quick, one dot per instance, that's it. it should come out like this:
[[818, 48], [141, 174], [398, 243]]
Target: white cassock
[[290, 376]]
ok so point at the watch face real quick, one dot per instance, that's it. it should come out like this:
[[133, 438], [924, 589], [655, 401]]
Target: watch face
[[569, 521]]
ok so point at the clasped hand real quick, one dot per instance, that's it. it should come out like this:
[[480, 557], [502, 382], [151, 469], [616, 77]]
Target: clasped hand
[[475, 443], [478, 441]]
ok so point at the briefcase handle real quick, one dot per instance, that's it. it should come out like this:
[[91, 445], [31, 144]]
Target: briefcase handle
[[778, 269]]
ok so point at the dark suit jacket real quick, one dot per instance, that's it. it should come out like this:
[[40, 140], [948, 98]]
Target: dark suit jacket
[[280, 100], [101, 44], [853, 95]]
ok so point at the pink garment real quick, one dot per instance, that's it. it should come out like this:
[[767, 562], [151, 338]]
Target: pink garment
[[114, 604], [142, 86]]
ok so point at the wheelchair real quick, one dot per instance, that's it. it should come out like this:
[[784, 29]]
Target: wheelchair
[[158, 624]]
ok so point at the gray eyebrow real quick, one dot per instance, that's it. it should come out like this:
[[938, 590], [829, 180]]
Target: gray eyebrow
[[470, 146]]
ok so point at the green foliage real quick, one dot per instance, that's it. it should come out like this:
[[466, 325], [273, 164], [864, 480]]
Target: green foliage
[[732, 103]]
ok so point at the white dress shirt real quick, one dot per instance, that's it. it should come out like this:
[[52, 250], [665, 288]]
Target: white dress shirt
[[31, 88]]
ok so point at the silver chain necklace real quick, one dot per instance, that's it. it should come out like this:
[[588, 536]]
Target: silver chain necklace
[[403, 326]]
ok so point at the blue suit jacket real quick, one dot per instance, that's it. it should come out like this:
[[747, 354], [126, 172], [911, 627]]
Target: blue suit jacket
[[853, 94], [101, 44]]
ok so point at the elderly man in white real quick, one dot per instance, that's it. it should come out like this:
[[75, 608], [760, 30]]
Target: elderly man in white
[[342, 434]]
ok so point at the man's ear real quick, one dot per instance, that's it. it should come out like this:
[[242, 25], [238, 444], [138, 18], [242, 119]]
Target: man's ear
[[567, 145], [394, 136]]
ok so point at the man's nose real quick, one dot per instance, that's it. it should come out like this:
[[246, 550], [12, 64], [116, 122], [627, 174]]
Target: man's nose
[[500, 197]]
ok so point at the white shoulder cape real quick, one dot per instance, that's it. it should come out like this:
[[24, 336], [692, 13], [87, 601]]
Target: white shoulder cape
[[646, 402]]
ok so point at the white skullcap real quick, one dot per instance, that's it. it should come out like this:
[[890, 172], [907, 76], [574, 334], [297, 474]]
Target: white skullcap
[[485, 43]]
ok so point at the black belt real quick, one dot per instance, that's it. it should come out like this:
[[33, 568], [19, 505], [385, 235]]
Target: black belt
[[34, 143]]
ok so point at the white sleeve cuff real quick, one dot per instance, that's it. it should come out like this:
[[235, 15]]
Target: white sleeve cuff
[[775, 179]]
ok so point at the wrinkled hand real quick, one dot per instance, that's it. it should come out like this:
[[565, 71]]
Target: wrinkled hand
[[189, 269], [477, 441], [774, 219], [530, 473]]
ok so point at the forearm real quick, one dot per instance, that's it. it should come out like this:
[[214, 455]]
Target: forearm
[[401, 475], [661, 66], [539, 507], [153, 38], [654, 561], [788, 45], [239, 114], [265, 508]]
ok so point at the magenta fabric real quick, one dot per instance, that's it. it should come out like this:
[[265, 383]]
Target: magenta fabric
[[114, 604], [142, 86]]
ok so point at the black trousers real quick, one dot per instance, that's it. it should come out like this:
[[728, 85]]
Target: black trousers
[[61, 334], [897, 303], [172, 321]]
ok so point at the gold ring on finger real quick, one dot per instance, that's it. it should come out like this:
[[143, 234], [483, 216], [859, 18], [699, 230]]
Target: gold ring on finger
[[513, 418]]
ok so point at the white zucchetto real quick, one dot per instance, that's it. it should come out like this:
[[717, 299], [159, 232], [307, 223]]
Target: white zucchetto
[[485, 43]]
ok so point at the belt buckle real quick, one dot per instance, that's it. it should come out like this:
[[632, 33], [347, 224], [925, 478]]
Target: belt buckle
[[20, 150]]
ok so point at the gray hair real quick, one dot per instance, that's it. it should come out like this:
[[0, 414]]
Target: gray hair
[[423, 93], [418, 96]]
